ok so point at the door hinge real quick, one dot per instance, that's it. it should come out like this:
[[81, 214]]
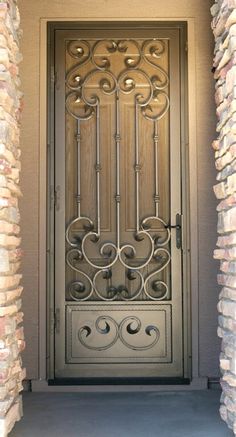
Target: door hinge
[[57, 320], [55, 197], [51, 320], [51, 197], [186, 46], [53, 76]]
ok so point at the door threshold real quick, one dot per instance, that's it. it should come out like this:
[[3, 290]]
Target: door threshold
[[42, 385], [118, 381]]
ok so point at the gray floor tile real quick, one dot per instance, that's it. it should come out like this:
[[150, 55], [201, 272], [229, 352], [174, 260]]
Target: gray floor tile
[[146, 414]]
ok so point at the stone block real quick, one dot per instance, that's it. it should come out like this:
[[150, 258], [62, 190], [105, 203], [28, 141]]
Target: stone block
[[216, 145], [230, 379], [226, 280], [226, 222], [220, 190], [220, 332], [223, 412], [230, 82], [231, 184], [227, 203], [220, 162], [228, 293], [228, 267], [13, 415], [230, 405], [224, 362], [219, 22], [228, 53], [231, 19], [228, 391], [226, 324], [227, 240], [7, 326], [227, 171], [10, 309], [9, 281], [220, 254]]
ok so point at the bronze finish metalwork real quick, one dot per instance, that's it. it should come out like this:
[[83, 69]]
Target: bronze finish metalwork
[[118, 224], [130, 324], [83, 102]]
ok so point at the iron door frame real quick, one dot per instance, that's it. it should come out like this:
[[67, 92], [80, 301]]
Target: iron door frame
[[53, 319]]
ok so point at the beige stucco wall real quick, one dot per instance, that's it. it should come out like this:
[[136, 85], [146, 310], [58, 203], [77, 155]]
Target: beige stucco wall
[[31, 12]]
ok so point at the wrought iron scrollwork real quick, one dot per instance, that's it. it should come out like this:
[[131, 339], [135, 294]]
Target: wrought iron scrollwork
[[83, 102], [124, 331], [149, 52]]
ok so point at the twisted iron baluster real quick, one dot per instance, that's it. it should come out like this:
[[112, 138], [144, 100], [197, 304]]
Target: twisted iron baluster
[[156, 160], [117, 141], [78, 197], [98, 168], [137, 167]]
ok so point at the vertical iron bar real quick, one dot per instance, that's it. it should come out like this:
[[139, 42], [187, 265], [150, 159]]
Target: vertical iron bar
[[78, 197], [137, 166], [156, 160], [98, 168], [117, 197]]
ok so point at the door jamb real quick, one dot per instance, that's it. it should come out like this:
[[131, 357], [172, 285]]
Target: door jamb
[[197, 381]]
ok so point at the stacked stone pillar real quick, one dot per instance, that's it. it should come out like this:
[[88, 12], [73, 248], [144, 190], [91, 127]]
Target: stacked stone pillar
[[224, 29], [11, 331]]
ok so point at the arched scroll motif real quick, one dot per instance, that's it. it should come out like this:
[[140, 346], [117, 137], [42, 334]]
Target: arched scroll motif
[[93, 77], [108, 328]]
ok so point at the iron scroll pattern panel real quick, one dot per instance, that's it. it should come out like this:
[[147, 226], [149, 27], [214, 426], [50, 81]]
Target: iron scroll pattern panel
[[122, 333], [129, 325], [84, 88]]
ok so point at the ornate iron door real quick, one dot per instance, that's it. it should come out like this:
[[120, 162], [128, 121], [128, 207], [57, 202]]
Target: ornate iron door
[[118, 292]]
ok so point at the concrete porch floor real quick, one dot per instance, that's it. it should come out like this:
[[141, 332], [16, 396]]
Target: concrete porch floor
[[127, 414]]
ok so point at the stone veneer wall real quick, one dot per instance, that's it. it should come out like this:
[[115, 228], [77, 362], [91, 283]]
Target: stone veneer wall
[[224, 29], [11, 331]]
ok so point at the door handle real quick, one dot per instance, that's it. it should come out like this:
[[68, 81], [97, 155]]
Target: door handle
[[178, 227]]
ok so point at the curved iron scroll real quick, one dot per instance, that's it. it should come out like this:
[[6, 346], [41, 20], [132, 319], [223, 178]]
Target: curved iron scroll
[[82, 103], [129, 326]]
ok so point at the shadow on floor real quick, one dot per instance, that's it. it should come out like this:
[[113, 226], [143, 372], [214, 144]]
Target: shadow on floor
[[132, 414]]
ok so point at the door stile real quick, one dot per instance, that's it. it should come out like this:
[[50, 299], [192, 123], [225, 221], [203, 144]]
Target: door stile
[[175, 184], [59, 209]]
